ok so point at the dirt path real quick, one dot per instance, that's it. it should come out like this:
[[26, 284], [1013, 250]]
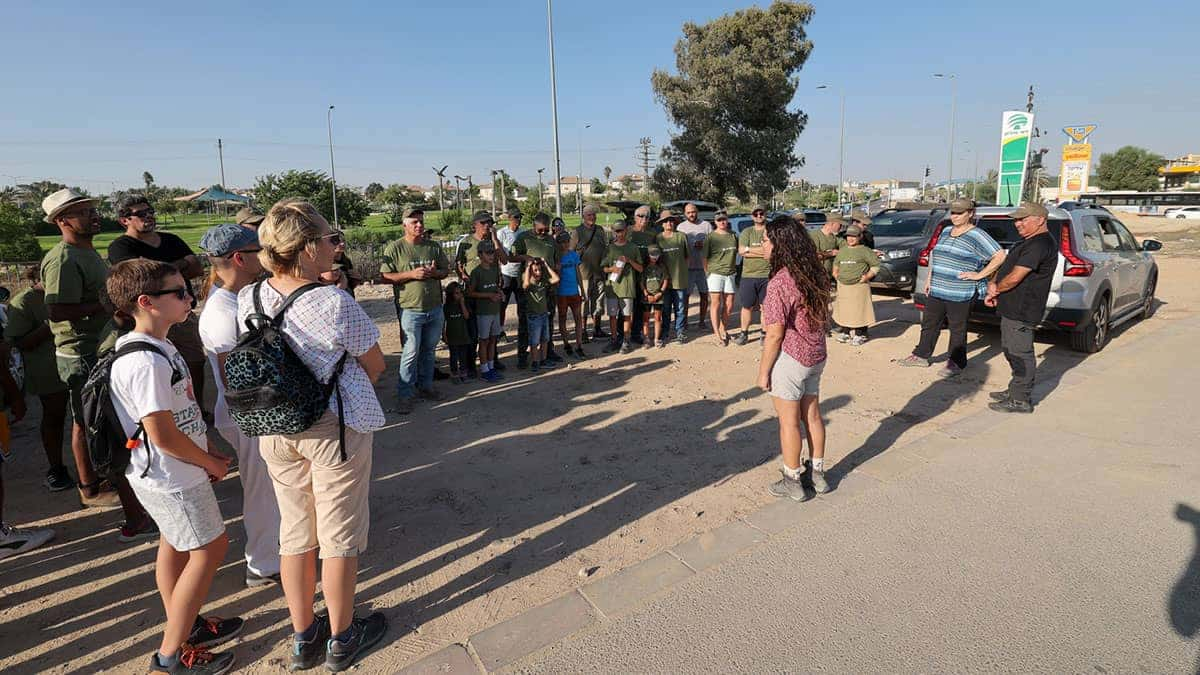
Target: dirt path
[[505, 496]]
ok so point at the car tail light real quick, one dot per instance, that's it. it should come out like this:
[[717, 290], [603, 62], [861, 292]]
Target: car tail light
[[923, 259], [919, 305], [1076, 266]]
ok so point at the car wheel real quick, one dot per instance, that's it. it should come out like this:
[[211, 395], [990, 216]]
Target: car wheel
[[1148, 299], [1094, 336], [1180, 216]]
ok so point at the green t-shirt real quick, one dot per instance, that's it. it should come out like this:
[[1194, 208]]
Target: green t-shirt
[[26, 314], [457, 334], [853, 262], [825, 242], [542, 247], [675, 256], [485, 280], [643, 240], [73, 276], [654, 279], [754, 268], [591, 244], [720, 250], [402, 256], [468, 253], [537, 297], [626, 285]]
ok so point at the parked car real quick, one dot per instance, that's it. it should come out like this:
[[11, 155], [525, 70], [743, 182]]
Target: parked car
[[899, 237], [1104, 276], [1183, 212]]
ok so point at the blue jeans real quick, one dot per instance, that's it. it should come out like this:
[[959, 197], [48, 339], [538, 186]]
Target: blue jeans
[[674, 304], [422, 330]]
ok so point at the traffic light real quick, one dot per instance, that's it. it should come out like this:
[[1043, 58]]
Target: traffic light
[[927, 172]]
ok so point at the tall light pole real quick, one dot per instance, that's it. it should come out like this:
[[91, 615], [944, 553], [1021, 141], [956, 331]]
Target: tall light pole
[[441, 178], [540, 189], [953, 101], [841, 142], [579, 183], [458, 189], [471, 193], [494, 172], [332, 173], [554, 112]]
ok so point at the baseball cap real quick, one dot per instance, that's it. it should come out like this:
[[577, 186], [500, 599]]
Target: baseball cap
[[410, 210], [721, 215], [853, 231], [513, 212], [562, 236], [860, 216], [962, 205], [1027, 209], [619, 225], [226, 238], [248, 216], [835, 217], [654, 251], [486, 246], [666, 215], [482, 217], [760, 207]]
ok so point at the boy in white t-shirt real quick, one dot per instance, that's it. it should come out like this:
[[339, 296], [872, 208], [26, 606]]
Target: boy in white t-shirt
[[233, 252], [171, 466]]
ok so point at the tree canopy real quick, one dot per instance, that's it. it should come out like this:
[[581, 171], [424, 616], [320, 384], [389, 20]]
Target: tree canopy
[[1130, 168], [315, 188], [736, 76]]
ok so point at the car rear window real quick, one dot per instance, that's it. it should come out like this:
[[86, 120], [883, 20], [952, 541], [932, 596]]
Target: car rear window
[[899, 224], [814, 219], [1004, 230]]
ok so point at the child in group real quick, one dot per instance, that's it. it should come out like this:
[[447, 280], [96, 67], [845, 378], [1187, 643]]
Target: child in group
[[655, 284], [455, 332], [171, 464], [854, 267], [483, 286], [537, 280], [568, 297]]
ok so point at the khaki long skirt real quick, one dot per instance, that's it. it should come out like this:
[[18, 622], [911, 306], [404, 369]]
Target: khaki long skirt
[[853, 307]]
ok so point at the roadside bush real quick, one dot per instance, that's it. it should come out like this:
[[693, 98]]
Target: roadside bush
[[17, 241]]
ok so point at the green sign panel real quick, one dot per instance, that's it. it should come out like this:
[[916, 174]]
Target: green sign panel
[[1015, 132]]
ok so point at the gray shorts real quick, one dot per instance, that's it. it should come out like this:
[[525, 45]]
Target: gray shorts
[[619, 307], [187, 519], [696, 279], [489, 325], [792, 380]]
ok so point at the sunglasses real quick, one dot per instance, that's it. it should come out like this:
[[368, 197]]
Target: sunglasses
[[334, 238], [142, 215], [181, 292], [242, 251], [759, 213], [82, 213]]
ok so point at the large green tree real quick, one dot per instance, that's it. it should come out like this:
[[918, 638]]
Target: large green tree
[[313, 187], [17, 225], [1130, 168], [736, 77]]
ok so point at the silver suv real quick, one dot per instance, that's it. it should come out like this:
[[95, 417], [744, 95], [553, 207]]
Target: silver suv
[[1104, 277]]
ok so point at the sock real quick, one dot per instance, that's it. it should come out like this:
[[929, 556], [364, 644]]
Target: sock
[[485, 367], [167, 661], [793, 474], [818, 464], [346, 635], [308, 634]]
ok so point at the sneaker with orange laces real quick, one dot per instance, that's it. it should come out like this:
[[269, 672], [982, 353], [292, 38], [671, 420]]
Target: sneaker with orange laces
[[192, 659], [212, 631]]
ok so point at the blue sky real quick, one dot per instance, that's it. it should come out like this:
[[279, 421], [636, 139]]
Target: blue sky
[[94, 93]]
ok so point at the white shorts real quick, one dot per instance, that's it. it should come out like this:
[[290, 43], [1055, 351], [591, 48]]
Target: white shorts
[[792, 380], [187, 519], [721, 283], [489, 325]]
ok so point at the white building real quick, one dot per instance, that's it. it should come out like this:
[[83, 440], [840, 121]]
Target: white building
[[571, 185]]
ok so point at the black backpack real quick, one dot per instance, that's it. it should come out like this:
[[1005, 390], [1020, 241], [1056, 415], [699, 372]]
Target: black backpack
[[108, 445], [268, 388]]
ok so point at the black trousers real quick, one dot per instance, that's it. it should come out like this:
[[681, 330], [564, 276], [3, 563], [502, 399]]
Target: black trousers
[[954, 314], [1016, 338], [513, 285]]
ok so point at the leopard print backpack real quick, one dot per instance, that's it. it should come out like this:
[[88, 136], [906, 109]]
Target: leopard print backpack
[[270, 391]]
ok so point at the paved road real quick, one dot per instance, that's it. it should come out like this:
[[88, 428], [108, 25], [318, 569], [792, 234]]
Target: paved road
[[1065, 541]]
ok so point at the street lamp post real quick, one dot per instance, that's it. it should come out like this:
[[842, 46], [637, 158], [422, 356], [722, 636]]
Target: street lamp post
[[579, 182], [458, 189], [471, 193], [554, 112], [841, 143], [540, 188], [332, 173], [494, 172], [953, 101]]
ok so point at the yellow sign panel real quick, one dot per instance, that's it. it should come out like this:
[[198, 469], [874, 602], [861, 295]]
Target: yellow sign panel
[[1080, 133], [1077, 152]]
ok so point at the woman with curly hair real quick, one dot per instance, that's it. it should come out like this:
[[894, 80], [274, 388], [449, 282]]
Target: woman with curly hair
[[795, 317]]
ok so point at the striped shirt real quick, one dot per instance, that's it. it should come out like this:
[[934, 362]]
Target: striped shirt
[[968, 252]]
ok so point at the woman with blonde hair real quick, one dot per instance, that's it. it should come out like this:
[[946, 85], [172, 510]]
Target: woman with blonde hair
[[321, 475]]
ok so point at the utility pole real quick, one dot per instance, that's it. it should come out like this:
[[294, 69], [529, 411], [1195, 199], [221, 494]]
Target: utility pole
[[540, 189], [579, 183], [471, 193], [643, 158], [554, 112], [332, 173], [441, 176], [493, 193], [503, 195], [221, 159], [458, 189]]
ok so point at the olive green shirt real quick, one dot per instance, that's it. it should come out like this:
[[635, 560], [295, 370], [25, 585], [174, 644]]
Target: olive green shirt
[[468, 253], [537, 297], [720, 250], [643, 240], [534, 246], [402, 256], [73, 276], [457, 333], [485, 280], [26, 314], [825, 242], [853, 262], [626, 285], [590, 247], [754, 268], [654, 280], [675, 256]]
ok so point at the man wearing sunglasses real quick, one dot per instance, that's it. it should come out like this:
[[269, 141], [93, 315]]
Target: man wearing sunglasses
[[143, 240]]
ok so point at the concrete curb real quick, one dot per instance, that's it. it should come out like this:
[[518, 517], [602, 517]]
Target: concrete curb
[[510, 641]]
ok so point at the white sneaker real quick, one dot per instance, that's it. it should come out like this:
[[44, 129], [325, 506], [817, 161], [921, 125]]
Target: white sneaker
[[858, 340], [14, 541]]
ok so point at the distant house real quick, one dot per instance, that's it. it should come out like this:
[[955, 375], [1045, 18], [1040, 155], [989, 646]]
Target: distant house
[[571, 185], [635, 182]]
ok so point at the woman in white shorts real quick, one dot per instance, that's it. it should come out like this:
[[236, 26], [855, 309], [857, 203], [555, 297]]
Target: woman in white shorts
[[795, 316], [719, 255]]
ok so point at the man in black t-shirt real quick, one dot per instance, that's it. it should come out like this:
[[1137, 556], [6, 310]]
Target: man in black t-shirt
[[1018, 292], [143, 240]]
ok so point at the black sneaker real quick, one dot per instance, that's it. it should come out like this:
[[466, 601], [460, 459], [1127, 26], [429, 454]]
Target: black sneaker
[[523, 364], [57, 479], [195, 660], [439, 374], [308, 654], [553, 357], [212, 631], [1010, 405], [568, 350], [999, 395], [741, 339], [364, 634], [610, 347], [497, 365], [599, 334], [637, 340]]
